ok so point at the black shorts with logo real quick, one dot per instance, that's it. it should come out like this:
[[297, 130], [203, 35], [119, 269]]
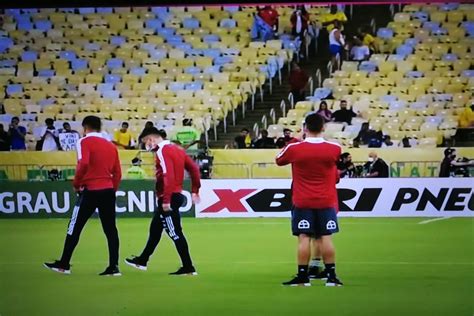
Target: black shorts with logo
[[314, 222]]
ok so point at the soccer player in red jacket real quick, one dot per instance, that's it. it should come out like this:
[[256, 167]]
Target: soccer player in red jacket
[[171, 162], [313, 163], [97, 178]]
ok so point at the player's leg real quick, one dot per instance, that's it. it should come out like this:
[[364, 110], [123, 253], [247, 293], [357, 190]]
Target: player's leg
[[106, 205], [326, 225], [154, 237], [175, 232], [85, 206], [301, 220], [315, 264]]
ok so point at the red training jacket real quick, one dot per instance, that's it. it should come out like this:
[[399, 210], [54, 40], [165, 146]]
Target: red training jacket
[[313, 165], [98, 165], [171, 161]]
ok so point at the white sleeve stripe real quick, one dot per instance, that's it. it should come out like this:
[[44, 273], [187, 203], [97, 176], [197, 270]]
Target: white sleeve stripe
[[159, 154], [285, 149], [333, 143], [79, 149]]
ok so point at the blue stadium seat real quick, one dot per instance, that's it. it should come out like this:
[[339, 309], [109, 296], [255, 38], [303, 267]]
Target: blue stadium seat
[[176, 86], [25, 26], [12, 12], [48, 101], [154, 24], [396, 57], [112, 78], [385, 33], [212, 69], [7, 63], [67, 10], [322, 93], [86, 10], [467, 73], [368, 66], [211, 38], [147, 46], [158, 54], [14, 88], [439, 31], [231, 8], [101, 87], [222, 60], [191, 23], [211, 52], [46, 73], [231, 52], [6, 118], [412, 41], [192, 70], [388, 98], [79, 64], [173, 39], [104, 10], [93, 47], [166, 31], [29, 55], [30, 10], [138, 71], [68, 55], [468, 27], [450, 57], [195, 85], [159, 10], [228, 23], [43, 25], [421, 16], [181, 46], [114, 63], [117, 40], [430, 25], [404, 50], [111, 94], [193, 52], [449, 6]]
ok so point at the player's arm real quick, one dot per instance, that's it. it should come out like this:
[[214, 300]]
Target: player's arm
[[193, 170], [83, 155], [167, 164], [117, 172], [285, 156]]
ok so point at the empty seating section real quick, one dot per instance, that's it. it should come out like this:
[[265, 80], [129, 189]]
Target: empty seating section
[[418, 84], [133, 64]]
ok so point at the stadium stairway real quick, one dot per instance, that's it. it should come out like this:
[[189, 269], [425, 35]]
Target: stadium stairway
[[270, 101]]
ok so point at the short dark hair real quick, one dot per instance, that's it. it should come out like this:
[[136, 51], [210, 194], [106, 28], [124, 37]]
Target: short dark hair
[[314, 123], [245, 130], [153, 131], [15, 118], [125, 123], [345, 155], [287, 130], [66, 123], [92, 122], [449, 151], [49, 121]]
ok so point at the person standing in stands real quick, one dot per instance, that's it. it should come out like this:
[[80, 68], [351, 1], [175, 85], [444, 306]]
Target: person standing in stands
[[243, 140], [97, 178], [17, 134], [4, 140], [359, 51], [148, 125], [299, 24], [345, 166], [49, 137], [270, 17], [123, 138], [376, 167], [171, 163], [298, 82], [344, 115]]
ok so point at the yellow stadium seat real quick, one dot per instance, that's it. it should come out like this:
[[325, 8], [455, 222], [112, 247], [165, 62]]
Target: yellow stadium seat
[[438, 16]]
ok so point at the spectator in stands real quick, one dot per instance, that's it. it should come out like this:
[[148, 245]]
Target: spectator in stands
[[17, 134], [68, 137], [466, 119], [298, 82], [123, 138], [336, 45], [387, 141], [345, 166], [4, 139], [243, 140], [344, 115], [187, 135], [49, 137], [363, 137], [359, 52], [376, 167], [135, 172], [405, 142], [270, 17], [264, 141], [299, 24], [148, 125], [367, 39], [324, 112], [286, 139]]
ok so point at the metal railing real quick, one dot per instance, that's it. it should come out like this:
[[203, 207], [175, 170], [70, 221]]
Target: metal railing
[[283, 107], [273, 115]]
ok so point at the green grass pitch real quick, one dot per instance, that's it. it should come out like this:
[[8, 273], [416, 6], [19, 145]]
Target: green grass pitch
[[390, 266]]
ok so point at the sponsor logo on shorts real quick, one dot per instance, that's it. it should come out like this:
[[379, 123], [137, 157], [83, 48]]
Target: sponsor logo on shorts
[[331, 225], [303, 224]]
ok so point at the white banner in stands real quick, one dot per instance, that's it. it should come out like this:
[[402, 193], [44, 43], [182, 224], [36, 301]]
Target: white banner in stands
[[394, 197], [68, 141]]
